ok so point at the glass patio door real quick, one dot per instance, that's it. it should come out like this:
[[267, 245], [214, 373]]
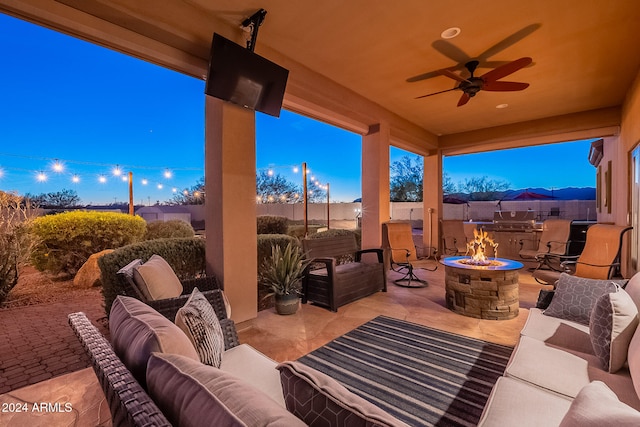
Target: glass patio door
[[635, 207]]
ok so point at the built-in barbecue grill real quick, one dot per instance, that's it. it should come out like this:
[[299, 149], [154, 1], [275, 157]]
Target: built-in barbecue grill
[[515, 220]]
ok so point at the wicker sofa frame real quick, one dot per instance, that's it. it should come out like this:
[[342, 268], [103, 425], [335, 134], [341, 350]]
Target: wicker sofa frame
[[129, 403]]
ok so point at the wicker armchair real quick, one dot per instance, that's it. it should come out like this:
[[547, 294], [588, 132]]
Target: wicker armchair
[[170, 306], [129, 404]]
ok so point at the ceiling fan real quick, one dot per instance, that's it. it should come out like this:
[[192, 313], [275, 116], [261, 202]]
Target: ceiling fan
[[489, 81]]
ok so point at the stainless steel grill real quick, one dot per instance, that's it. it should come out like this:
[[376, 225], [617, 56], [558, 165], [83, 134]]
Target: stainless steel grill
[[515, 220]]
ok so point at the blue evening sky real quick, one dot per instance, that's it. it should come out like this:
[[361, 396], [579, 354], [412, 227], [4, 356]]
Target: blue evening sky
[[90, 109]]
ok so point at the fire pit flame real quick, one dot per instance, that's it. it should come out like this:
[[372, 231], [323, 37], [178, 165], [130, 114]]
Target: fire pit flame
[[476, 249]]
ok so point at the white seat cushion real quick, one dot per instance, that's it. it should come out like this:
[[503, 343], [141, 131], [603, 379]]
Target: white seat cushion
[[557, 332], [514, 403], [564, 371], [250, 365]]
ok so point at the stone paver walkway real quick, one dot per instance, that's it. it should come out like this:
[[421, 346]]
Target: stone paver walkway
[[37, 343]]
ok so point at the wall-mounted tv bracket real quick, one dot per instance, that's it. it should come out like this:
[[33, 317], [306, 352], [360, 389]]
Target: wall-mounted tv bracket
[[253, 22]]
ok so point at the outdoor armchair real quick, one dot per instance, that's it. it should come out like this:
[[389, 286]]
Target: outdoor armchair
[[403, 257], [600, 258], [554, 243]]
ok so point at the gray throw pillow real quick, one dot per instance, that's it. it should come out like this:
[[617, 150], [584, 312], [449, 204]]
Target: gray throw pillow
[[137, 330], [613, 322], [190, 393], [198, 320], [575, 297]]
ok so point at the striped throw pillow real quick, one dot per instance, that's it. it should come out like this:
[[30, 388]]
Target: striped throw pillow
[[199, 322]]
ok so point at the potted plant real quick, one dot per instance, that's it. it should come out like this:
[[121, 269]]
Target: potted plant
[[282, 273]]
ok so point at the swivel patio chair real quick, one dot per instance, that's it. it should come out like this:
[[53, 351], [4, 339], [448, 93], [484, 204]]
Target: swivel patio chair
[[454, 240], [398, 242], [600, 258], [554, 240]]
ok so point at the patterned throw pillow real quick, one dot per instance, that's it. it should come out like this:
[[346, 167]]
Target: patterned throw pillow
[[575, 296], [613, 322], [198, 320], [318, 399]]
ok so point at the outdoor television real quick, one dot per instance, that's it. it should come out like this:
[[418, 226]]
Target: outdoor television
[[240, 76]]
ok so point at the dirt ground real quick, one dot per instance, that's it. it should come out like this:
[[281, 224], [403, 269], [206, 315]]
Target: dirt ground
[[35, 287]]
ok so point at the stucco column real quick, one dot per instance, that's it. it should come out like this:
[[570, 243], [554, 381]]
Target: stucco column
[[375, 184], [432, 201], [230, 218]]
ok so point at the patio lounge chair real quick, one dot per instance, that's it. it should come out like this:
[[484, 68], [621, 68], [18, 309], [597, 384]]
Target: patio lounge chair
[[600, 258], [454, 240], [398, 242], [554, 240]]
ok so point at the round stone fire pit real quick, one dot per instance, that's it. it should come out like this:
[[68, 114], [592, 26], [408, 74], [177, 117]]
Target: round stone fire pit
[[482, 291]]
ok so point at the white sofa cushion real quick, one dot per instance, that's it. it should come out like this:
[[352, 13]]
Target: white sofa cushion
[[515, 403], [596, 405], [558, 332], [614, 319], [193, 394], [250, 365], [564, 371]]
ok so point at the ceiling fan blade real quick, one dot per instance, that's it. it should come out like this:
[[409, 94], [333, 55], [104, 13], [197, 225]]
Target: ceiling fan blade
[[506, 69], [509, 41], [436, 93], [463, 99], [452, 75], [504, 86], [451, 51]]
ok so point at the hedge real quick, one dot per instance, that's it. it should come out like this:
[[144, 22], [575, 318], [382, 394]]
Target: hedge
[[272, 224], [266, 240], [66, 240], [168, 229], [185, 255]]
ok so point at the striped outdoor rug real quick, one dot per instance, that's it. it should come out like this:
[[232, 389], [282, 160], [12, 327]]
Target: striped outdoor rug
[[421, 375]]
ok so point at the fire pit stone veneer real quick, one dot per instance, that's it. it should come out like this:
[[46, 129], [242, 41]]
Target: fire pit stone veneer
[[484, 292]]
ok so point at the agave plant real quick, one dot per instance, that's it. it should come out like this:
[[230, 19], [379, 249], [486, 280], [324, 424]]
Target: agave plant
[[283, 270]]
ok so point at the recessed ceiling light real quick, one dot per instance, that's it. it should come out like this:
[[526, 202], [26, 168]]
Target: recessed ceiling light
[[450, 33], [500, 106]]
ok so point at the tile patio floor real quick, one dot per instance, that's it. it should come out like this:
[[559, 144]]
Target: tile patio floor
[[38, 346]]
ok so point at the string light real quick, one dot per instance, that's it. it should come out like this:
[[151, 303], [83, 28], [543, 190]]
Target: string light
[[159, 186], [168, 174], [102, 179], [117, 171], [145, 182], [58, 166], [41, 177], [75, 179], [1, 172]]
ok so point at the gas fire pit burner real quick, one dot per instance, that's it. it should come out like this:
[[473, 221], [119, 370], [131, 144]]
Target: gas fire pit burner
[[485, 291]]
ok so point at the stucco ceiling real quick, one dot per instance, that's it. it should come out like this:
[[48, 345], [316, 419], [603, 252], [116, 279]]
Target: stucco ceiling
[[584, 51]]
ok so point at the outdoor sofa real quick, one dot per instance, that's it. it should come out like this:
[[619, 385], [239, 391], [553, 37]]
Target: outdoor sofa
[[152, 375], [577, 363]]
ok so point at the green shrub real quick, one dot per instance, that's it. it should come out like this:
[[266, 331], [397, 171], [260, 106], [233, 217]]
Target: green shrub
[[185, 255], [66, 240], [168, 229], [265, 241], [272, 224]]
